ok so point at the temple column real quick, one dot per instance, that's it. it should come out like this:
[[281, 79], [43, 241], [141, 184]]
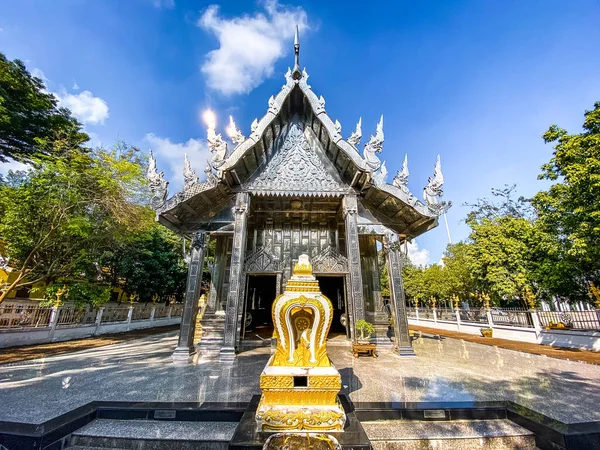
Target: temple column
[[232, 309], [185, 347], [217, 275], [350, 211], [403, 345]]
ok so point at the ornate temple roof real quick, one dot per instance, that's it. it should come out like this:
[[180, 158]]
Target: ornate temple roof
[[296, 149]]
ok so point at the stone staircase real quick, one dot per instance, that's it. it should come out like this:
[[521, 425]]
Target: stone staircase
[[152, 435], [497, 434], [213, 327]]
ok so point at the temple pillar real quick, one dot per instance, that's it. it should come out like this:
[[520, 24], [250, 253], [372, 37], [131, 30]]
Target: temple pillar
[[403, 345], [350, 211], [216, 285], [236, 282], [185, 347]]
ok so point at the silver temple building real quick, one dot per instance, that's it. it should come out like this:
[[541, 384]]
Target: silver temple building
[[295, 185]]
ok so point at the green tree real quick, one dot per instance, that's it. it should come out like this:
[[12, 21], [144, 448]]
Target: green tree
[[500, 256], [457, 265], [58, 218], [434, 278], [31, 123], [415, 287], [570, 208], [149, 264]]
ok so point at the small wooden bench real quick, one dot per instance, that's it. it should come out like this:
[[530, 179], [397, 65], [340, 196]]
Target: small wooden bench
[[368, 349]]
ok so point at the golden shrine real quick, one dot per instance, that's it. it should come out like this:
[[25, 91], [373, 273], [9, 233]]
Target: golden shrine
[[299, 384]]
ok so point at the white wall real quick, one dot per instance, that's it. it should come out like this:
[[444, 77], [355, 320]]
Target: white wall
[[587, 340], [27, 336]]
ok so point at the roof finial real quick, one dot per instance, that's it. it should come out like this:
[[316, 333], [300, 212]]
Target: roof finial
[[296, 73]]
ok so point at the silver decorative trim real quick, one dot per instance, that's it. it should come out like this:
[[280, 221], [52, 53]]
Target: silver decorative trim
[[261, 261], [356, 135], [189, 175], [158, 186], [235, 135], [296, 169], [373, 147], [216, 145], [401, 178], [330, 261], [433, 191]]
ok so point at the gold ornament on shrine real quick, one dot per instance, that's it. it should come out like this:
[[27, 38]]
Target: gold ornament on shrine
[[299, 384]]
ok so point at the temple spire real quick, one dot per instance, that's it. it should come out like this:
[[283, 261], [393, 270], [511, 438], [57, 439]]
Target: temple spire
[[296, 73]]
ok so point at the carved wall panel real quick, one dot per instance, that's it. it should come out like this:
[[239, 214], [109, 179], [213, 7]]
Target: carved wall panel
[[296, 168], [330, 261], [261, 261]]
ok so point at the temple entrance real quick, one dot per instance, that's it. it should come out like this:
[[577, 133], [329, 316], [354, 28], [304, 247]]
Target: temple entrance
[[260, 294], [332, 287]]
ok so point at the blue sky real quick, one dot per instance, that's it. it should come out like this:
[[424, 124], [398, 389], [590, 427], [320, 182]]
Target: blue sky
[[475, 81]]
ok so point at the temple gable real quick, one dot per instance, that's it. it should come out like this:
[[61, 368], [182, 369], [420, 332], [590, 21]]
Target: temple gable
[[297, 168]]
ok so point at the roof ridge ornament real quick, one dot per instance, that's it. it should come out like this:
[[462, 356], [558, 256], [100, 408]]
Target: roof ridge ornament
[[433, 191], [159, 187], [210, 176], [234, 133], [356, 135], [401, 178], [338, 127], [296, 73], [216, 145], [373, 147], [379, 177], [189, 175]]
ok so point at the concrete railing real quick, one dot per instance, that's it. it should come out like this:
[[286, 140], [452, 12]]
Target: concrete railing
[[518, 325], [39, 325]]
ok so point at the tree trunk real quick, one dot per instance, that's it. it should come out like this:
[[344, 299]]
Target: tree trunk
[[12, 286]]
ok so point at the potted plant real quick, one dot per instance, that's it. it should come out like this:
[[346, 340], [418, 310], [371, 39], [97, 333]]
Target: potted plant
[[486, 332], [365, 329]]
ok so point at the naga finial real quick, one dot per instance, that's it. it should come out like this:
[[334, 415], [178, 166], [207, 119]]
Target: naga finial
[[235, 135], [401, 178], [159, 187], [338, 127], [433, 191], [373, 147], [189, 175], [216, 145], [379, 177], [356, 135]]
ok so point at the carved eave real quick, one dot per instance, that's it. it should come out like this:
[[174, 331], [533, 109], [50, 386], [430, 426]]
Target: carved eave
[[207, 206]]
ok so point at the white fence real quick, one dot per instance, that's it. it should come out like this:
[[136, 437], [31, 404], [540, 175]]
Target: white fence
[[570, 329], [27, 323]]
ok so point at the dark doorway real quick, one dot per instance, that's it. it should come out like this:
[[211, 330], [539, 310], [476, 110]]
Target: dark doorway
[[260, 293], [333, 289]]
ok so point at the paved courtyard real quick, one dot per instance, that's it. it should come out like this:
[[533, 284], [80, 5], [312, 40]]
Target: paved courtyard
[[444, 370]]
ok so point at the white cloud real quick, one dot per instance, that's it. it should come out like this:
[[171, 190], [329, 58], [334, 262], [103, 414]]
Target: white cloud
[[171, 154], [249, 46], [85, 107], [12, 165], [416, 256], [39, 74], [75, 86]]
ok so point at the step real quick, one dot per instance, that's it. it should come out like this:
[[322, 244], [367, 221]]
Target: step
[[500, 434], [213, 328], [153, 435]]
